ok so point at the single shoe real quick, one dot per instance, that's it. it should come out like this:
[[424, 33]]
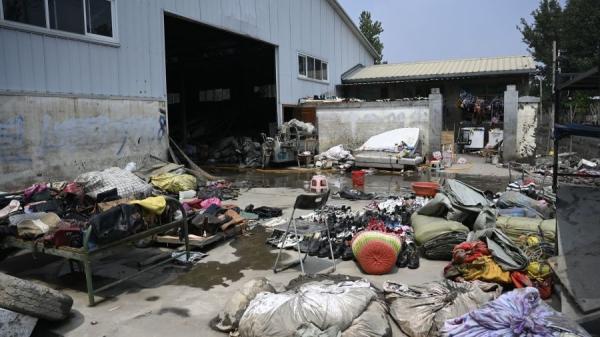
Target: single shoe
[[289, 242], [402, 260], [348, 254], [314, 246], [304, 244], [324, 250], [338, 250], [413, 257]]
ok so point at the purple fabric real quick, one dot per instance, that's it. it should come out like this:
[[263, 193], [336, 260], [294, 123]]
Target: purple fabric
[[520, 312]]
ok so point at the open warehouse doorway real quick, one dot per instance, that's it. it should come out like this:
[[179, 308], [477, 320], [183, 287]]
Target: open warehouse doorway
[[221, 90]]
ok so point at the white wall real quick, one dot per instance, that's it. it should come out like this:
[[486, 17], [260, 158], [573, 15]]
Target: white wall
[[351, 124]]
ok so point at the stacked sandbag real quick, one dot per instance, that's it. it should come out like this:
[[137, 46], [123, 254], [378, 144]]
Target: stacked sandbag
[[516, 227], [437, 235], [421, 310], [376, 252]]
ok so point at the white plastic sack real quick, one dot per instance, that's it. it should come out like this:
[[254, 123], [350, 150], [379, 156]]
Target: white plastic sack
[[336, 153], [390, 140], [325, 305]]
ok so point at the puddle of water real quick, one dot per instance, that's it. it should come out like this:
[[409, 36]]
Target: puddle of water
[[380, 183], [253, 254]]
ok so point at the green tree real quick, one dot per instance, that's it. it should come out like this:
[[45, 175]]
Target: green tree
[[371, 30], [575, 29], [580, 43], [538, 35]]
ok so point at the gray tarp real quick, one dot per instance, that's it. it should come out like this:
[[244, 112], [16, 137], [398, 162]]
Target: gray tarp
[[504, 251], [460, 202], [421, 310]]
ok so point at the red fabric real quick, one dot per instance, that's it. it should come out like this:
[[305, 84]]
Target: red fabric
[[377, 258], [468, 252], [520, 280]]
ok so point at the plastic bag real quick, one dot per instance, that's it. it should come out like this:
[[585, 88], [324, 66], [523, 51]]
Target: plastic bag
[[323, 304], [420, 311], [229, 318], [174, 183], [372, 322], [520, 312], [154, 205]]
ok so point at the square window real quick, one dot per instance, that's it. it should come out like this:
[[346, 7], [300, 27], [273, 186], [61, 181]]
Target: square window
[[66, 15], [324, 71], [31, 12], [301, 65], [99, 17]]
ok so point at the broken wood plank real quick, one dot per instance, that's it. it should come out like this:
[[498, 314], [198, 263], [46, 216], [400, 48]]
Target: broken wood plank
[[192, 165]]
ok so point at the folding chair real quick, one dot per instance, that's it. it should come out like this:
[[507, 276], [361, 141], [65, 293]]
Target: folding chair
[[305, 202]]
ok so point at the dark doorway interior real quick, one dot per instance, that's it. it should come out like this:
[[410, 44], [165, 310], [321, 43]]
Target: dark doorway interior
[[219, 84]]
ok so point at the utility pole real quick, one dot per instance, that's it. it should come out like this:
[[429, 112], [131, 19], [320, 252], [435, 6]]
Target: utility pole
[[555, 111]]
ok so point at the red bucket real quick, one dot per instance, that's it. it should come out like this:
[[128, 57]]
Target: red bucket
[[358, 178]]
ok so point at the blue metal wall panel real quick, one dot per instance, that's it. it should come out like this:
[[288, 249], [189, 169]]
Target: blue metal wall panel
[[33, 62]]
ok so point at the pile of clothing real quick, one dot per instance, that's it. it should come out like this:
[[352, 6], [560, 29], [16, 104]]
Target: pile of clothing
[[109, 205]]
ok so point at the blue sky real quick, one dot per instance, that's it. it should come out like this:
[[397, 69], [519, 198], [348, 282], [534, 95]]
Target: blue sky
[[444, 29]]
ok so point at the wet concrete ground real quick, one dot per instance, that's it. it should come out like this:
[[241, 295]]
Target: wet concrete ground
[[180, 301]]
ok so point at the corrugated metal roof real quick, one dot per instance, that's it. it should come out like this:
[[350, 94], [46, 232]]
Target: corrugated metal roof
[[431, 70]]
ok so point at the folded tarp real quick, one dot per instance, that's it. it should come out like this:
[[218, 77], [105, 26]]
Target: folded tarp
[[429, 227], [504, 251], [460, 202], [390, 140]]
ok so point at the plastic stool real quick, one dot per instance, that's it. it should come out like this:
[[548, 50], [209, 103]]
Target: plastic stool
[[318, 184]]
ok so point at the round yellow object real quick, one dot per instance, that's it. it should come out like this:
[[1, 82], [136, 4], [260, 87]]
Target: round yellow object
[[533, 241]]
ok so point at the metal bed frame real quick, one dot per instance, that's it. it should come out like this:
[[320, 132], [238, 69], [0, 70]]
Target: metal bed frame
[[86, 256]]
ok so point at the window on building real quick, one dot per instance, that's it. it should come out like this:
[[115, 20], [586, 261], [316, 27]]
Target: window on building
[[84, 17], [31, 12], [301, 65], [313, 68], [99, 17], [66, 15]]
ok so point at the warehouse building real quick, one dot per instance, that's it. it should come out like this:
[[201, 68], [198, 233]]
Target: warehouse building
[[89, 83]]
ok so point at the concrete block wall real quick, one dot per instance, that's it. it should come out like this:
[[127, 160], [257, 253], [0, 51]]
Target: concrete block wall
[[45, 138], [351, 124]]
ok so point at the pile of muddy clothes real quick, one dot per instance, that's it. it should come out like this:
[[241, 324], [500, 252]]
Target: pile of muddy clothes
[[339, 305], [100, 207]]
